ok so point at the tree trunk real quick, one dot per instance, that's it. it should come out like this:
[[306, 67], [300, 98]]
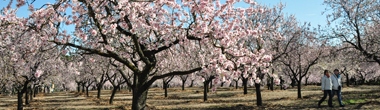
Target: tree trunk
[[205, 90], [210, 85], [183, 84], [100, 85], [20, 94], [293, 83], [299, 90], [139, 99], [78, 87], [306, 81], [271, 83], [35, 91], [27, 96], [31, 93], [191, 84], [83, 87], [87, 91], [113, 94], [259, 101], [236, 84], [166, 89], [347, 81], [245, 80], [19, 100]]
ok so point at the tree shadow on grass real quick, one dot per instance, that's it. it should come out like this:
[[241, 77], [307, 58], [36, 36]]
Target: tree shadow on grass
[[367, 103], [310, 101]]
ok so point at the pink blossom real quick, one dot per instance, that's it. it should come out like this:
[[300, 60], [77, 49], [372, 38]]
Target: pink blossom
[[267, 58], [277, 81], [251, 81], [31, 7], [113, 26], [38, 73], [257, 81], [93, 32], [109, 48]]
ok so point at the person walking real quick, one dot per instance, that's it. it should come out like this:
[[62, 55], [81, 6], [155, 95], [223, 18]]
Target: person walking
[[326, 88], [337, 86]]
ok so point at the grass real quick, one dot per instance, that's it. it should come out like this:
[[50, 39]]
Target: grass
[[354, 101], [360, 97]]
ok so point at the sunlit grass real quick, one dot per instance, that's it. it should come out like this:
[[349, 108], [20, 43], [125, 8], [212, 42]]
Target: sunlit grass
[[354, 101]]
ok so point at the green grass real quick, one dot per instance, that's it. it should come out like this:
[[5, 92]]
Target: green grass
[[354, 101]]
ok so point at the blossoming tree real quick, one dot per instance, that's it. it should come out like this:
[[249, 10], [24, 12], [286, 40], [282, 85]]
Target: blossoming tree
[[135, 33], [357, 25]]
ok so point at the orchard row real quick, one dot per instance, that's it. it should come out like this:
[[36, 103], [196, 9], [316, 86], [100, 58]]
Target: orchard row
[[99, 43]]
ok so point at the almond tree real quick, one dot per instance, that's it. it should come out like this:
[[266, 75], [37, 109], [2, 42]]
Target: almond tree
[[131, 32], [172, 62], [345, 60], [279, 42], [307, 50], [184, 78], [101, 67], [357, 23], [116, 79], [366, 72], [89, 73], [24, 50]]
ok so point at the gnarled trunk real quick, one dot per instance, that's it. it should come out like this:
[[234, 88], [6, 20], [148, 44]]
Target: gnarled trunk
[[139, 99]]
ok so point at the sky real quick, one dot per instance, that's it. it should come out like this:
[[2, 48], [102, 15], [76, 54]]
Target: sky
[[304, 10]]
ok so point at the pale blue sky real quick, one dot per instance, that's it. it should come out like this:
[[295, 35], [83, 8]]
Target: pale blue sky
[[304, 10]]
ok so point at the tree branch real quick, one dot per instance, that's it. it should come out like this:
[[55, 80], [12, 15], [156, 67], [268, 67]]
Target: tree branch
[[108, 54], [154, 78]]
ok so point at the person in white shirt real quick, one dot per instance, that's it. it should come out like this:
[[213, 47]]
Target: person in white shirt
[[337, 86], [326, 88]]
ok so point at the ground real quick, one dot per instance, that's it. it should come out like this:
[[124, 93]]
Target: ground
[[359, 97]]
